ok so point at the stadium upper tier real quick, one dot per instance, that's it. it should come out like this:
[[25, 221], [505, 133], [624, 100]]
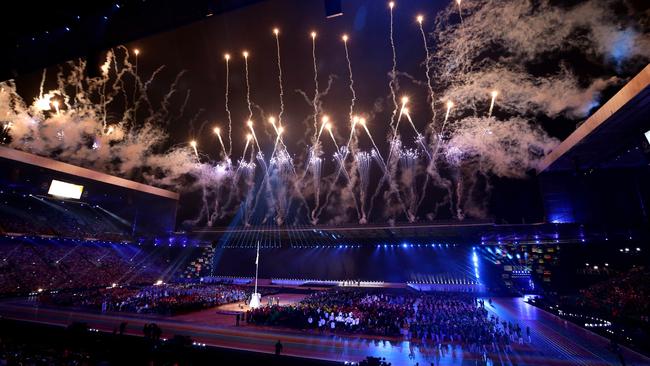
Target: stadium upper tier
[[29, 214], [29, 264]]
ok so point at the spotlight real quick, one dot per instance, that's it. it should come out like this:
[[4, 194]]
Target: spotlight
[[333, 8]]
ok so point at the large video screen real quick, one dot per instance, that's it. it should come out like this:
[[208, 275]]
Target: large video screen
[[65, 190]]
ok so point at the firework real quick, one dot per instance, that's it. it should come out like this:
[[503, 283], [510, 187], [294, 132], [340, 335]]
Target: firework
[[393, 72], [196, 152], [494, 95], [248, 86], [347, 58], [276, 32], [427, 64], [227, 102], [217, 131], [316, 92]]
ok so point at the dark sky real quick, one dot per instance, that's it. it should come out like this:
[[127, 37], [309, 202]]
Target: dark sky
[[200, 47]]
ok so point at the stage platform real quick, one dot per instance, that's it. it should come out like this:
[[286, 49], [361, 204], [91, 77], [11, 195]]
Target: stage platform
[[554, 342]]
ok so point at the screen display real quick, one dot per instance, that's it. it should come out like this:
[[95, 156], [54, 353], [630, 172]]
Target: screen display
[[65, 190]]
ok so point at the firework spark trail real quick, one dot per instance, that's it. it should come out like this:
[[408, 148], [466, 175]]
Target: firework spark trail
[[450, 105], [494, 95], [347, 58], [393, 73], [227, 103], [217, 132], [362, 121], [316, 92], [248, 141], [315, 164], [389, 175], [329, 129], [460, 11], [459, 197], [196, 152], [276, 32], [436, 149], [257, 143], [264, 184], [419, 138], [408, 160], [248, 87], [248, 170], [363, 160], [135, 75], [420, 18], [355, 120], [339, 156]]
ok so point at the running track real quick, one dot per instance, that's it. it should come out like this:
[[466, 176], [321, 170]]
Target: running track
[[553, 341]]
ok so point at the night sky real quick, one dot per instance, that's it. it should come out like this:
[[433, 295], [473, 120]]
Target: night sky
[[197, 105]]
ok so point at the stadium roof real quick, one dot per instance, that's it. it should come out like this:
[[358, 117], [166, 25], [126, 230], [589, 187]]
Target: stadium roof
[[39, 161], [604, 139], [467, 231]]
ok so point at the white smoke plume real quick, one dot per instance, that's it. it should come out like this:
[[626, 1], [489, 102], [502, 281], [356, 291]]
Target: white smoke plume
[[514, 47]]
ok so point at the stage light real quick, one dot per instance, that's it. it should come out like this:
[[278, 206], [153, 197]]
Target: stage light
[[333, 8], [65, 190]]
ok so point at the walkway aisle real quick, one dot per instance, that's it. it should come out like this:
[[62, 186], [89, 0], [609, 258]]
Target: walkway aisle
[[556, 341], [553, 342]]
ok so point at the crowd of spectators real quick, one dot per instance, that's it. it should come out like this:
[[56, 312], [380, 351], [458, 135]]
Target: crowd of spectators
[[30, 264], [617, 307], [32, 215], [164, 299], [433, 318], [625, 295]]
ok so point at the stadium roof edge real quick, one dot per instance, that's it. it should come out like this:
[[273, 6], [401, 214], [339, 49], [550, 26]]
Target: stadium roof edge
[[47, 163], [633, 88]]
